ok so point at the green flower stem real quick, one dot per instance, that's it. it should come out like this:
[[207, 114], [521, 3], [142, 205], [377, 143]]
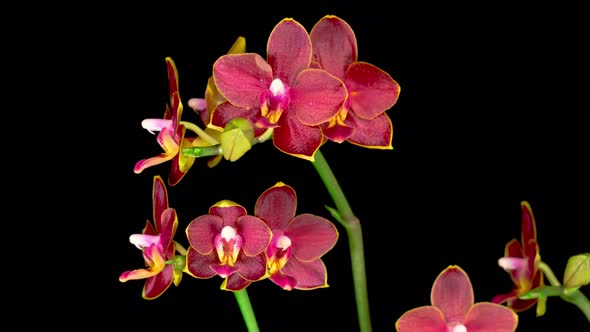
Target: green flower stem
[[194, 128], [575, 297], [246, 309], [355, 239]]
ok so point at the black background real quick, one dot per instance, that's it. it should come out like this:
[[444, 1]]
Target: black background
[[492, 111]]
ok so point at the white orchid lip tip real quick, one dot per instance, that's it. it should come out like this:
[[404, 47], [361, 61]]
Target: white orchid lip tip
[[511, 263]]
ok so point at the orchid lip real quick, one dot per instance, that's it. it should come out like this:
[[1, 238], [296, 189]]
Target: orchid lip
[[142, 241], [153, 125], [512, 263]]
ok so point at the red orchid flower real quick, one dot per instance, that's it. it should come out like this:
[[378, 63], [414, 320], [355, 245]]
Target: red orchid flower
[[371, 91], [453, 309], [171, 137], [229, 243], [281, 93], [298, 242], [158, 246], [521, 261]]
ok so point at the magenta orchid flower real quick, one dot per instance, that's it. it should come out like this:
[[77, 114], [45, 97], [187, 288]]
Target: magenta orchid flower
[[229, 243], [171, 134], [371, 91], [281, 93], [298, 242], [452, 309], [521, 261], [157, 245]]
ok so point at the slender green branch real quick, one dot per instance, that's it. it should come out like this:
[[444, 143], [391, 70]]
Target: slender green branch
[[193, 127], [575, 297], [355, 239], [247, 310]]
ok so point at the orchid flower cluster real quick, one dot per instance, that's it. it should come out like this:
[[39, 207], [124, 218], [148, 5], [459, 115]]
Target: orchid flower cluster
[[310, 90]]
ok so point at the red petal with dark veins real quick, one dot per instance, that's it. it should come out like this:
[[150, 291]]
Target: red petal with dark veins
[[200, 265], [452, 293], [277, 205], [159, 201], [486, 317], [176, 174], [255, 235], [334, 45], [241, 78], [423, 319], [176, 109], [528, 226], [530, 250], [172, 75], [235, 283], [226, 112], [337, 133], [252, 268], [372, 91], [229, 213], [309, 275], [283, 281], [169, 225], [288, 50], [311, 236], [376, 133], [149, 229], [201, 233], [316, 96], [294, 138], [156, 285], [501, 298]]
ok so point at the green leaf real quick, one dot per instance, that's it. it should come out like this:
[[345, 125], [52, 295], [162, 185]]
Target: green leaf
[[577, 271]]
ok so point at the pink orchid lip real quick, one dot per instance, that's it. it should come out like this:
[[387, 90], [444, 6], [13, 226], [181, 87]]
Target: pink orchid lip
[[512, 263], [152, 125], [142, 241]]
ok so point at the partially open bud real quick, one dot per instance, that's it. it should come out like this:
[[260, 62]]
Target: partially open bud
[[236, 138]]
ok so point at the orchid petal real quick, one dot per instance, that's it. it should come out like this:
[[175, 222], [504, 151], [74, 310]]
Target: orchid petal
[[486, 317], [317, 96], [372, 90], [528, 225], [294, 138], [501, 298], [241, 78], [235, 282], [251, 268], [423, 319], [199, 266], [452, 293], [309, 275], [142, 241], [159, 201], [168, 228], [334, 44], [225, 112], [283, 281], [229, 211], [255, 234], [311, 236], [224, 270], [376, 133], [158, 284], [201, 233], [153, 161], [337, 133], [172, 76], [288, 50], [277, 205]]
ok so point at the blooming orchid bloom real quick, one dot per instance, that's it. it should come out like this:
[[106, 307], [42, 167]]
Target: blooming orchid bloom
[[521, 261], [298, 242], [452, 309], [157, 245], [281, 93], [371, 91], [229, 243], [171, 134]]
